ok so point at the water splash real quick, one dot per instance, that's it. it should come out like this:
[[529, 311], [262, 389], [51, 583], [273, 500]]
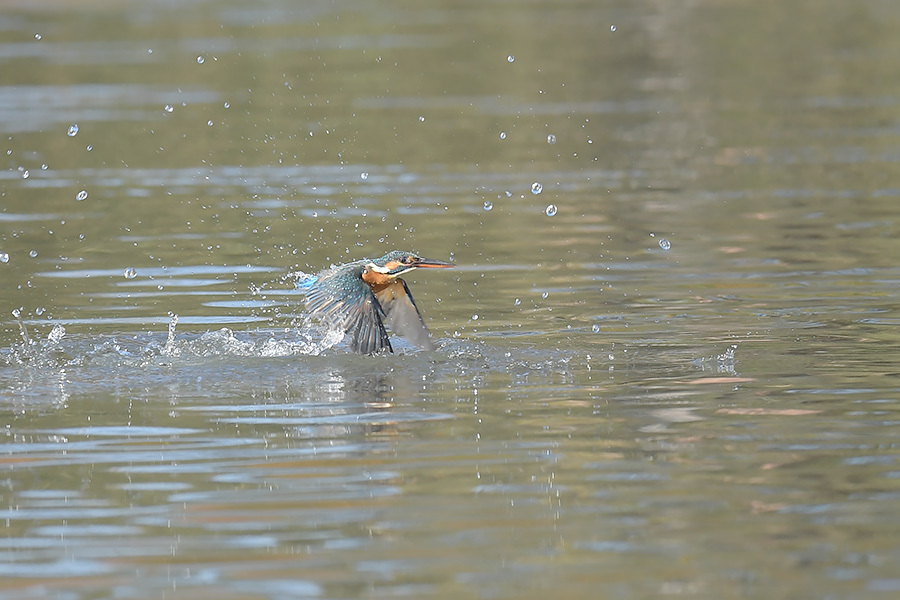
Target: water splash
[[302, 280], [56, 334], [173, 322]]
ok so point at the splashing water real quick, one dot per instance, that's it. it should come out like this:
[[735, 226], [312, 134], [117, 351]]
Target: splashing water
[[173, 322], [56, 334], [302, 281]]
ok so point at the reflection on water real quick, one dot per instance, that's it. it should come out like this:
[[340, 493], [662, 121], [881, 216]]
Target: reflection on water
[[666, 360]]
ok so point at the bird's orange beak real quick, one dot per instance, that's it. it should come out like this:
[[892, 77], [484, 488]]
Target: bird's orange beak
[[427, 263]]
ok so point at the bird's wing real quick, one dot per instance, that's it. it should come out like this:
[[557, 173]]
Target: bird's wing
[[347, 303], [401, 314]]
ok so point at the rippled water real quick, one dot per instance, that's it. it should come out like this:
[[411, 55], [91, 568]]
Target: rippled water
[[667, 356]]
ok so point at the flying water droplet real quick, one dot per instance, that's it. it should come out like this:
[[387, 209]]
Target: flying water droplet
[[502, 135], [73, 130], [612, 27], [82, 195], [209, 123], [200, 60], [168, 108], [33, 254], [488, 205], [363, 175], [510, 58], [130, 273], [422, 119], [545, 295], [37, 36], [664, 243], [551, 139], [517, 302], [25, 173], [39, 310], [595, 328], [551, 210], [4, 257], [536, 188]]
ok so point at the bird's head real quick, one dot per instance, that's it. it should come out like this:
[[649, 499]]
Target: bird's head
[[395, 263]]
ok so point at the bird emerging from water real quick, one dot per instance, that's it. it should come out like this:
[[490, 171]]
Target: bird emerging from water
[[362, 297]]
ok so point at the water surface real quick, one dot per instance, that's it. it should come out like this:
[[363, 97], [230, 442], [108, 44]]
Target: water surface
[[669, 369]]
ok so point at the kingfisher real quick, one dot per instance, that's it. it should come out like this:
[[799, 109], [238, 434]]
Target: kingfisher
[[360, 298]]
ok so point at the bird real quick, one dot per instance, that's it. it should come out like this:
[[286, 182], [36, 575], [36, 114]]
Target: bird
[[363, 297]]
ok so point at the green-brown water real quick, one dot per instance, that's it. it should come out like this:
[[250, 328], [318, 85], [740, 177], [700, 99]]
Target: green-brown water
[[682, 383]]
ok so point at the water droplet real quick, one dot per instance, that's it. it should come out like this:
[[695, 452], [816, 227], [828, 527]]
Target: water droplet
[[89, 148], [33, 254], [474, 317], [39, 310], [4, 257], [551, 139], [536, 188], [517, 302], [363, 175], [502, 135], [508, 194], [168, 108], [422, 119], [595, 328], [82, 195], [545, 295], [612, 27], [200, 60], [510, 58], [73, 130], [664, 243], [130, 273], [488, 205], [44, 167], [551, 210], [25, 174], [37, 36], [227, 105]]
